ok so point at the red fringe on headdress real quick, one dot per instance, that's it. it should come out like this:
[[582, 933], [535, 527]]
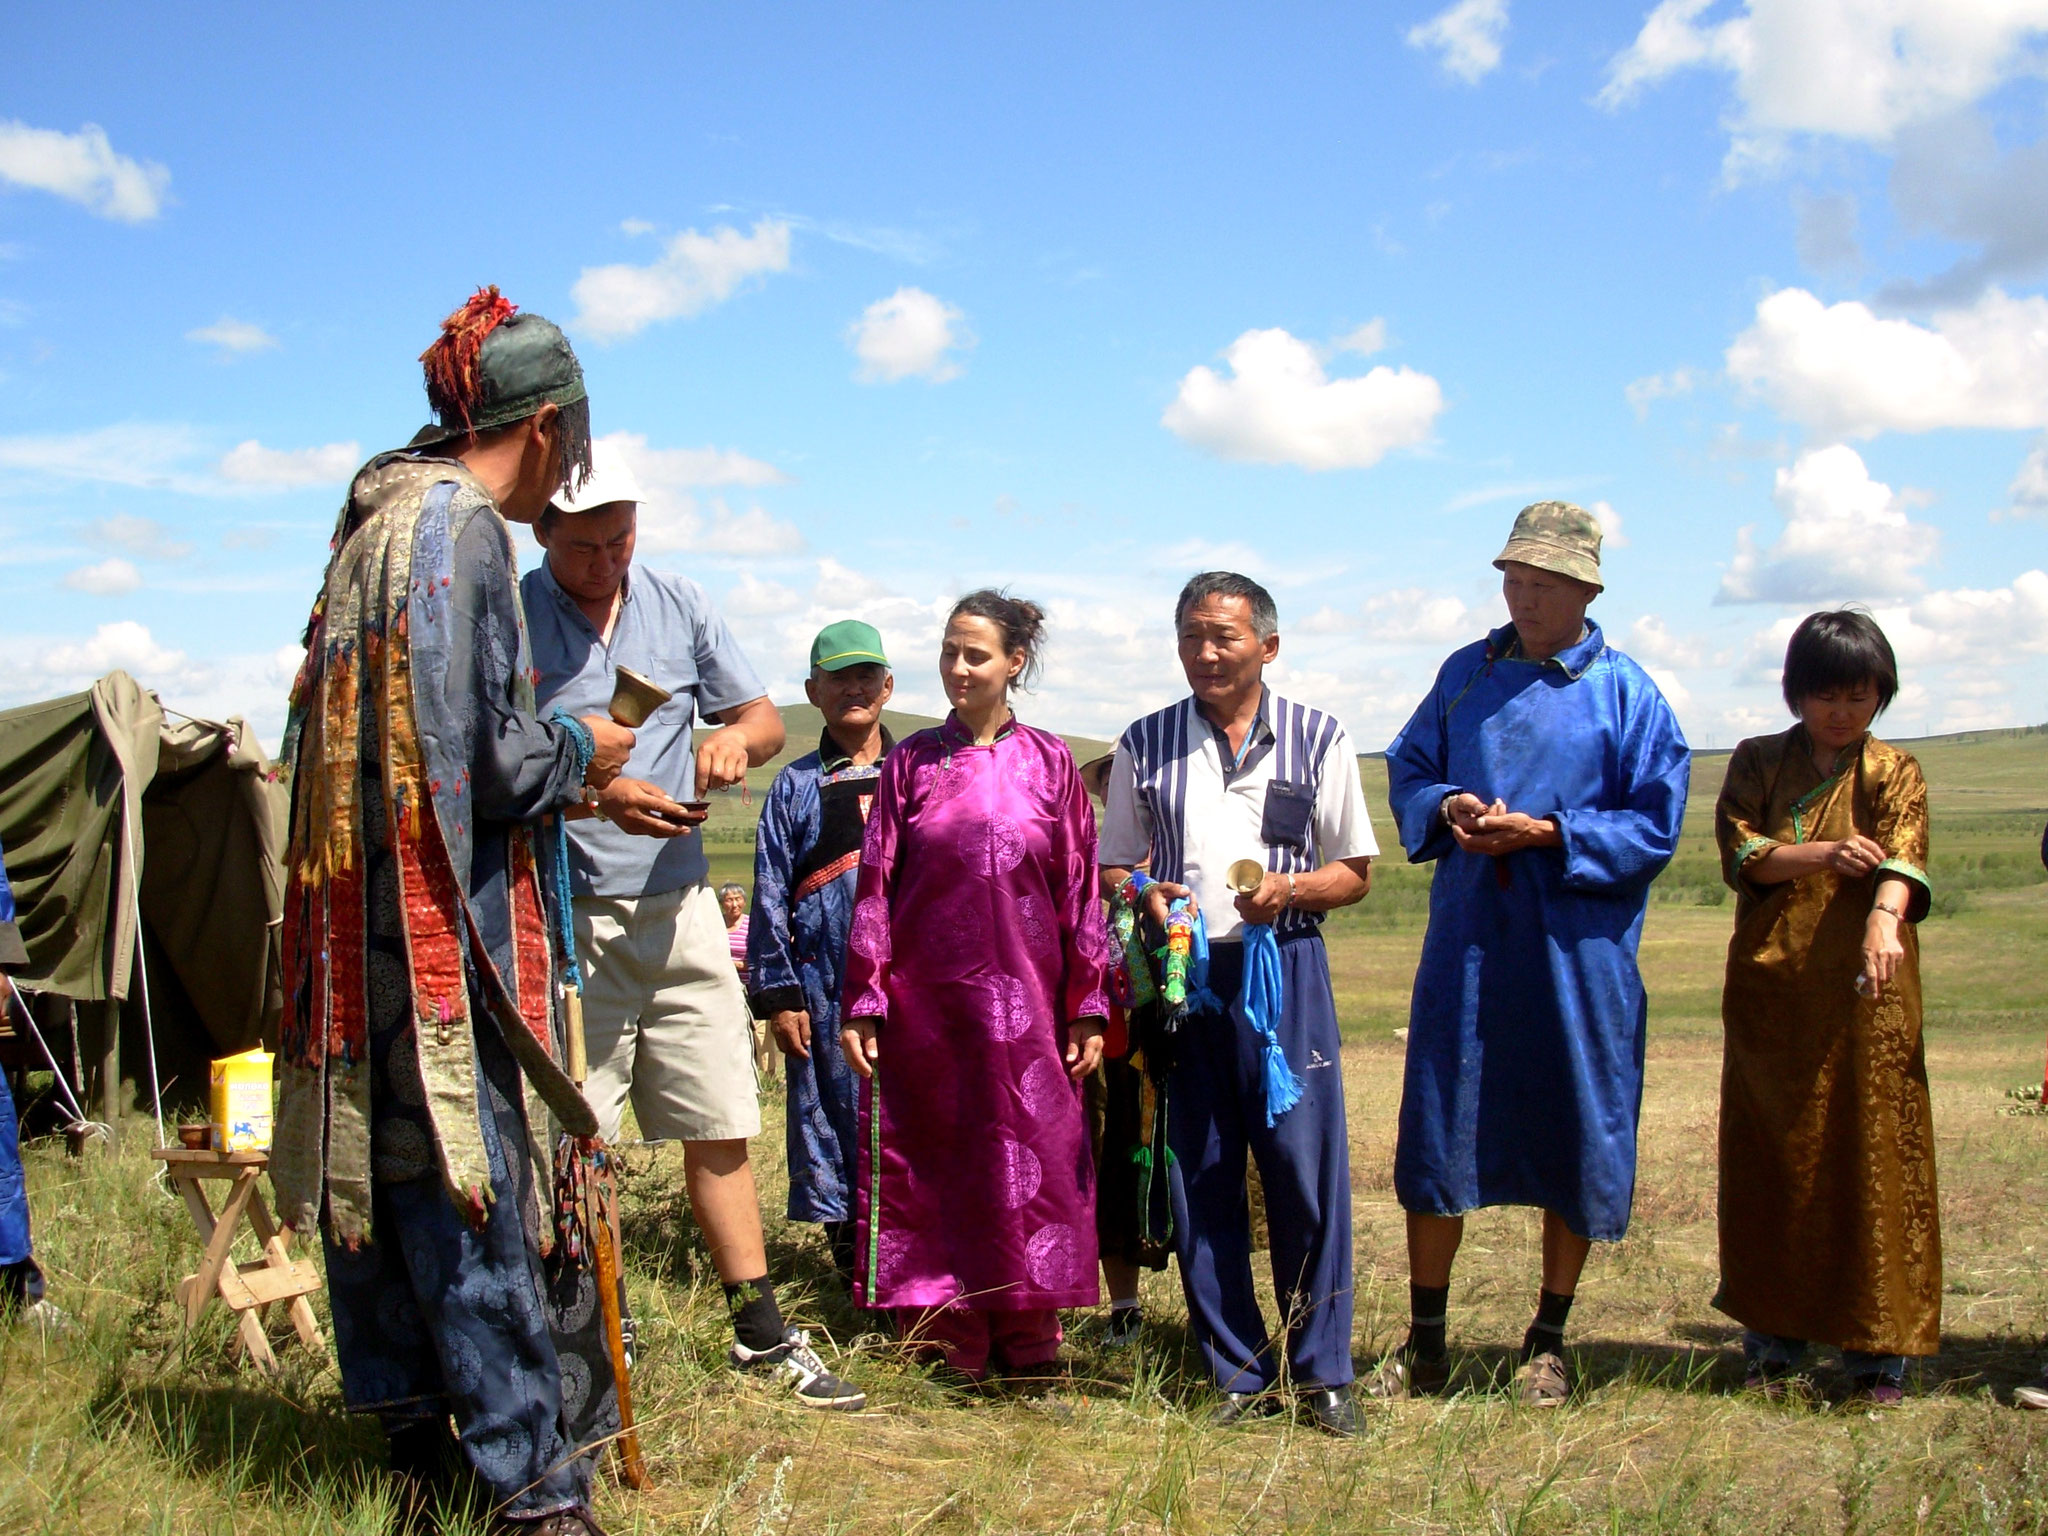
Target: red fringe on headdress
[[450, 362]]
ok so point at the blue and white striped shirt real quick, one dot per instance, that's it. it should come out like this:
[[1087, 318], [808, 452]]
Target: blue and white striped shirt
[[1291, 800]]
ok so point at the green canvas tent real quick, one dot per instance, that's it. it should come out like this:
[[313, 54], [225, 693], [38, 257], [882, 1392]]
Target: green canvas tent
[[145, 856]]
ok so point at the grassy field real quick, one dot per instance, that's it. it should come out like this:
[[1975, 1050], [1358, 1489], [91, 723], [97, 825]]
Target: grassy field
[[129, 1425]]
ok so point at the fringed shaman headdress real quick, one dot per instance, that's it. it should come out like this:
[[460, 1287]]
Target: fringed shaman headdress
[[492, 366]]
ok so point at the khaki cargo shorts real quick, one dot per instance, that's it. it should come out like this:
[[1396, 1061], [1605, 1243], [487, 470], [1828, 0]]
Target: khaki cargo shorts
[[665, 1018]]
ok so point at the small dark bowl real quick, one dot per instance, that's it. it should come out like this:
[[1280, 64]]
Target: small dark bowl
[[196, 1137]]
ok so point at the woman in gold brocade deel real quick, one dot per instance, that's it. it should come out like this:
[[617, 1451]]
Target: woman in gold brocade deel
[[1829, 1227]]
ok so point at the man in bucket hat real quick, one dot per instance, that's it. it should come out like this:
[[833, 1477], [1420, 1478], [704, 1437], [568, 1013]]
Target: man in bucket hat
[[806, 865], [1546, 776], [420, 991]]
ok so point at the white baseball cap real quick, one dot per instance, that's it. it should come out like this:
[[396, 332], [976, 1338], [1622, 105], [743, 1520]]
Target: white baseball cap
[[611, 479]]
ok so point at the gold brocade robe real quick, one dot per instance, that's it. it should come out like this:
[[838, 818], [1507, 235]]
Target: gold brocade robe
[[1829, 1227]]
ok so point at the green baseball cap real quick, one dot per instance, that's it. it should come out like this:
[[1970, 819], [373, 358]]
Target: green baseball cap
[[849, 643], [1556, 536]]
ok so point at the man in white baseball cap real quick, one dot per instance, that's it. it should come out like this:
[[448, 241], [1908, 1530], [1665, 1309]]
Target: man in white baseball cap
[[665, 1016]]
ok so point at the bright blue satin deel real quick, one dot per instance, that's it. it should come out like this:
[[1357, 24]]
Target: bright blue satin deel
[[1525, 1048]]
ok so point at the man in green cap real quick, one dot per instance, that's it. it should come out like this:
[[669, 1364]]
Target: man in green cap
[[1546, 777], [664, 1012], [806, 864], [419, 946]]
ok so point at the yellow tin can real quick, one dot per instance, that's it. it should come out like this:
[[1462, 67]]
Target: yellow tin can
[[241, 1102]]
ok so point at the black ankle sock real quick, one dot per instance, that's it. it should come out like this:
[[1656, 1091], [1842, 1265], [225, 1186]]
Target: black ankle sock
[[756, 1320], [1426, 1307], [1546, 1334]]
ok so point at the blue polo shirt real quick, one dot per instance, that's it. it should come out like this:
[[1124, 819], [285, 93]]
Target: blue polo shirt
[[666, 630]]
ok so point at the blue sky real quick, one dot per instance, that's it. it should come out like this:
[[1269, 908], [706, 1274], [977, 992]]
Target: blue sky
[[887, 303]]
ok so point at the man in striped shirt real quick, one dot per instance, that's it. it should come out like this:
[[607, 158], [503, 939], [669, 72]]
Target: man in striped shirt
[[1236, 772]]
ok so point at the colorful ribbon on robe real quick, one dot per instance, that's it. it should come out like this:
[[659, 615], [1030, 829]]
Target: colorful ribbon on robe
[[1259, 1001], [1186, 961]]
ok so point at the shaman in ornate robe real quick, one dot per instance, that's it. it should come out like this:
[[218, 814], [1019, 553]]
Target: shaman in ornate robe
[[410, 695], [1830, 1230], [419, 1001], [979, 938], [806, 865]]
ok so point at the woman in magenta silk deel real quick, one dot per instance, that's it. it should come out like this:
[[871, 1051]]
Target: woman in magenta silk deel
[[974, 997]]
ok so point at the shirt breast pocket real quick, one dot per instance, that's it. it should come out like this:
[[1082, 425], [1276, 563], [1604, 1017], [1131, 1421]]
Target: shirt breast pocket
[[1290, 810], [678, 674]]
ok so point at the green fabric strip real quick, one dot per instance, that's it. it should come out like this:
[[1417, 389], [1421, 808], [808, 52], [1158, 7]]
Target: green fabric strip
[[1751, 849], [874, 1182]]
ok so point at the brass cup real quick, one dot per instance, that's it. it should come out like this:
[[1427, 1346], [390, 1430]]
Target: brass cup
[[1245, 876], [634, 698]]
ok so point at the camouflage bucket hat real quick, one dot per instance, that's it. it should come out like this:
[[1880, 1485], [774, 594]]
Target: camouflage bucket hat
[[1556, 536]]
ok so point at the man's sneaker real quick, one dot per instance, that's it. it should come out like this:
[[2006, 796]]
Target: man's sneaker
[[1124, 1327], [1402, 1374], [796, 1362], [2034, 1397], [1542, 1382]]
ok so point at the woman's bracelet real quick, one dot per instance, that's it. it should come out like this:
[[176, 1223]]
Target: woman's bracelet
[[1878, 906]]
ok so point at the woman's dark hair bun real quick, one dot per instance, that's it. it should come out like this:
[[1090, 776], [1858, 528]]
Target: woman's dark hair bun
[[1018, 620]]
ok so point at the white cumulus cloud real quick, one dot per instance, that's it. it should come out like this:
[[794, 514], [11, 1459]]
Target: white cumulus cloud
[[109, 578], [909, 335], [1853, 69], [250, 463], [673, 521], [1651, 641], [83, 168], [681, 469], [1419, 616], [1277, 405], [1845, 535], [123, 645], [1466, 37], [1646, 391], [143, 537], [694, 272], [2029, 488], [1844, 371], [233, 337], [1611, 534]]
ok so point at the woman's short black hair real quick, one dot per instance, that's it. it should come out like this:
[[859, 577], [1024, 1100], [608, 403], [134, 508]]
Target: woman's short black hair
[[1839, 648]]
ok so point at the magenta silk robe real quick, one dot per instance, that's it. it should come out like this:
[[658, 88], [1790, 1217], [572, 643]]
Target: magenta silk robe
[[977, 936]]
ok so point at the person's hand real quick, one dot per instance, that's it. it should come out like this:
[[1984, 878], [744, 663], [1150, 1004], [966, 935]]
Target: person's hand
[[1266, 903], [792, 1028], [722, 761], [1160, 896], [1855, 856], [1882, 950], [638, 807], [1084, 1047], [1498, 832], [612, 744], [861, 1040], [1465, 808]]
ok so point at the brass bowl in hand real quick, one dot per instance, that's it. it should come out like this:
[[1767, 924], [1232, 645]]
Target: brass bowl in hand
[[1245, 876], [634, 698]]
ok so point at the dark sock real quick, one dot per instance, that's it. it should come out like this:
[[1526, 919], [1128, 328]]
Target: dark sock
[[1546, 1334], [1427, 1305], [756, 1320]]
